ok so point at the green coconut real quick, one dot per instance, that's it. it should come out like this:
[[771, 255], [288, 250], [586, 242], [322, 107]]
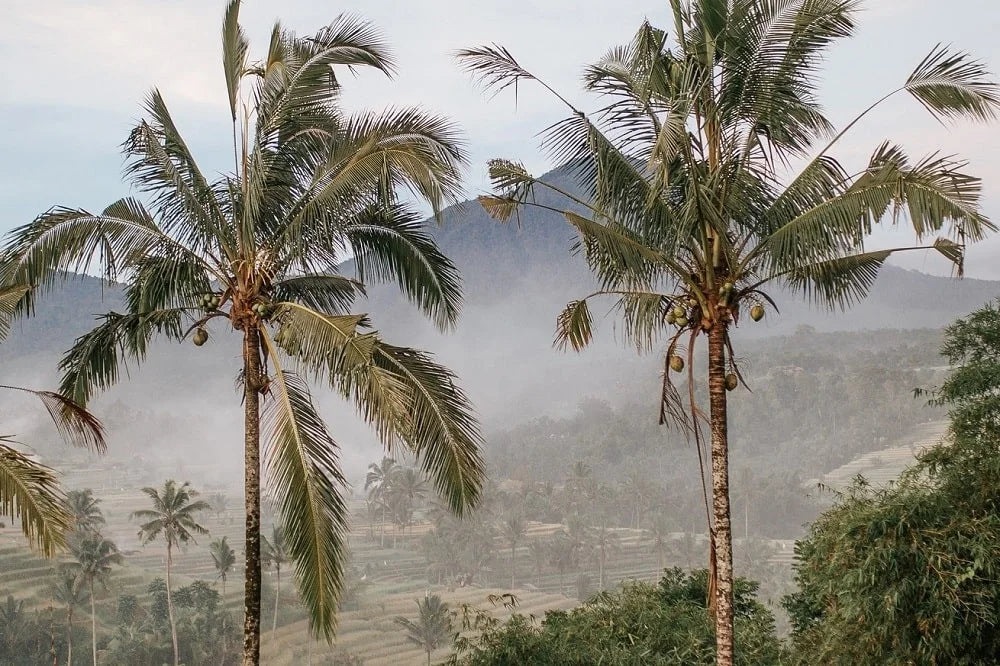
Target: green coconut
[[682, 321], [732, 381], [200, 337], [676, 363], [678, 312], [757, 312]]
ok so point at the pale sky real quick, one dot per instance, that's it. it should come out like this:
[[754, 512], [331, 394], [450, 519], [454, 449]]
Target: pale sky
[[76, 72]]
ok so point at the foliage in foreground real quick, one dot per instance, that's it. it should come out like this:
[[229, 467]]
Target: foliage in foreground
[[642, 623], [909, 574]]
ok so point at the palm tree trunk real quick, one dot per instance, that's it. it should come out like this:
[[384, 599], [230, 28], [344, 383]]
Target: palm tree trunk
[[428, 657], [69, 640], [382, 530], [722, 532], [600, 570], [251, 482], [513, 545], [170, 603], [93, 623], [277, 597]]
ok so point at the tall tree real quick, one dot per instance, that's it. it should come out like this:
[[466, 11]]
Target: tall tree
[[687, 216], [68, 590], [377, 483], [432, 628], [224, 558], [260, 250], [513, 528], [95, 556], [275, 553], [174, 517], [87, 515]]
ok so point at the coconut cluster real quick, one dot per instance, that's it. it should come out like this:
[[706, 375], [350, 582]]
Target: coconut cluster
[[263, 310], [210, 302]]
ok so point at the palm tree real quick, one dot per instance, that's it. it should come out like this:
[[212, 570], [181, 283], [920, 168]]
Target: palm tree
[[377, 483], [433, 627], [87, 516], [224, 558], [69, 591], [173, 516], [687, 216], [261, 250], [406, 489], [539, 555], [13, 621], [659, 537], [512, 529], [29, 490], [604, 541], [95, 556], [276, 553]]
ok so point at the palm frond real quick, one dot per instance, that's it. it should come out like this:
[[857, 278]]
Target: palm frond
[[951, 84], [441, 427], [30, 491], [389, 243], [9, 299], [234, 52], [94, 361], [574, 326], [331, 294], [303, 473], [493, 67], [75, 424]]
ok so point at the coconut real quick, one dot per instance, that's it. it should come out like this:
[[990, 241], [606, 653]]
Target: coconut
[[200, 337], [757, 312], [692, 301], [676, 363], [671, 319], [732, 381], [682, 321], [678, 312]]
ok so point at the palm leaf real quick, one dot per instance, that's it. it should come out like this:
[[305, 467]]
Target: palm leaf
[[30, 491], [9, 299], [952, 84], [303, 473]]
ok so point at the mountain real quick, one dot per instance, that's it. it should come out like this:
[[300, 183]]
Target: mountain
[[517, 278]]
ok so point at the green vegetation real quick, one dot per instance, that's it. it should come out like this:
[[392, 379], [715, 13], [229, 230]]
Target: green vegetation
[[643, 623], [929, 541], [689, 222]]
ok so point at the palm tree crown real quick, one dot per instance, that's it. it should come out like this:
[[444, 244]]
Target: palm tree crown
[[433, 627], [87, 515], [172, 515]]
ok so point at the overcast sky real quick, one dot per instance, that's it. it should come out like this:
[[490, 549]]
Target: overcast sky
[[75, 73]]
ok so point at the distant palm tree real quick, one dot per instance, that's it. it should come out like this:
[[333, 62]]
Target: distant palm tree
[[689, 217], [13, 621], [68, 589], [173, 516], [432, 628], [220, 504], [275, 553], [95, 556], [406, 489], [377, 483], [224, 558], [604, 541], [539, 555], [261, 249], [659, 536], [513, 529], [87, 516]]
